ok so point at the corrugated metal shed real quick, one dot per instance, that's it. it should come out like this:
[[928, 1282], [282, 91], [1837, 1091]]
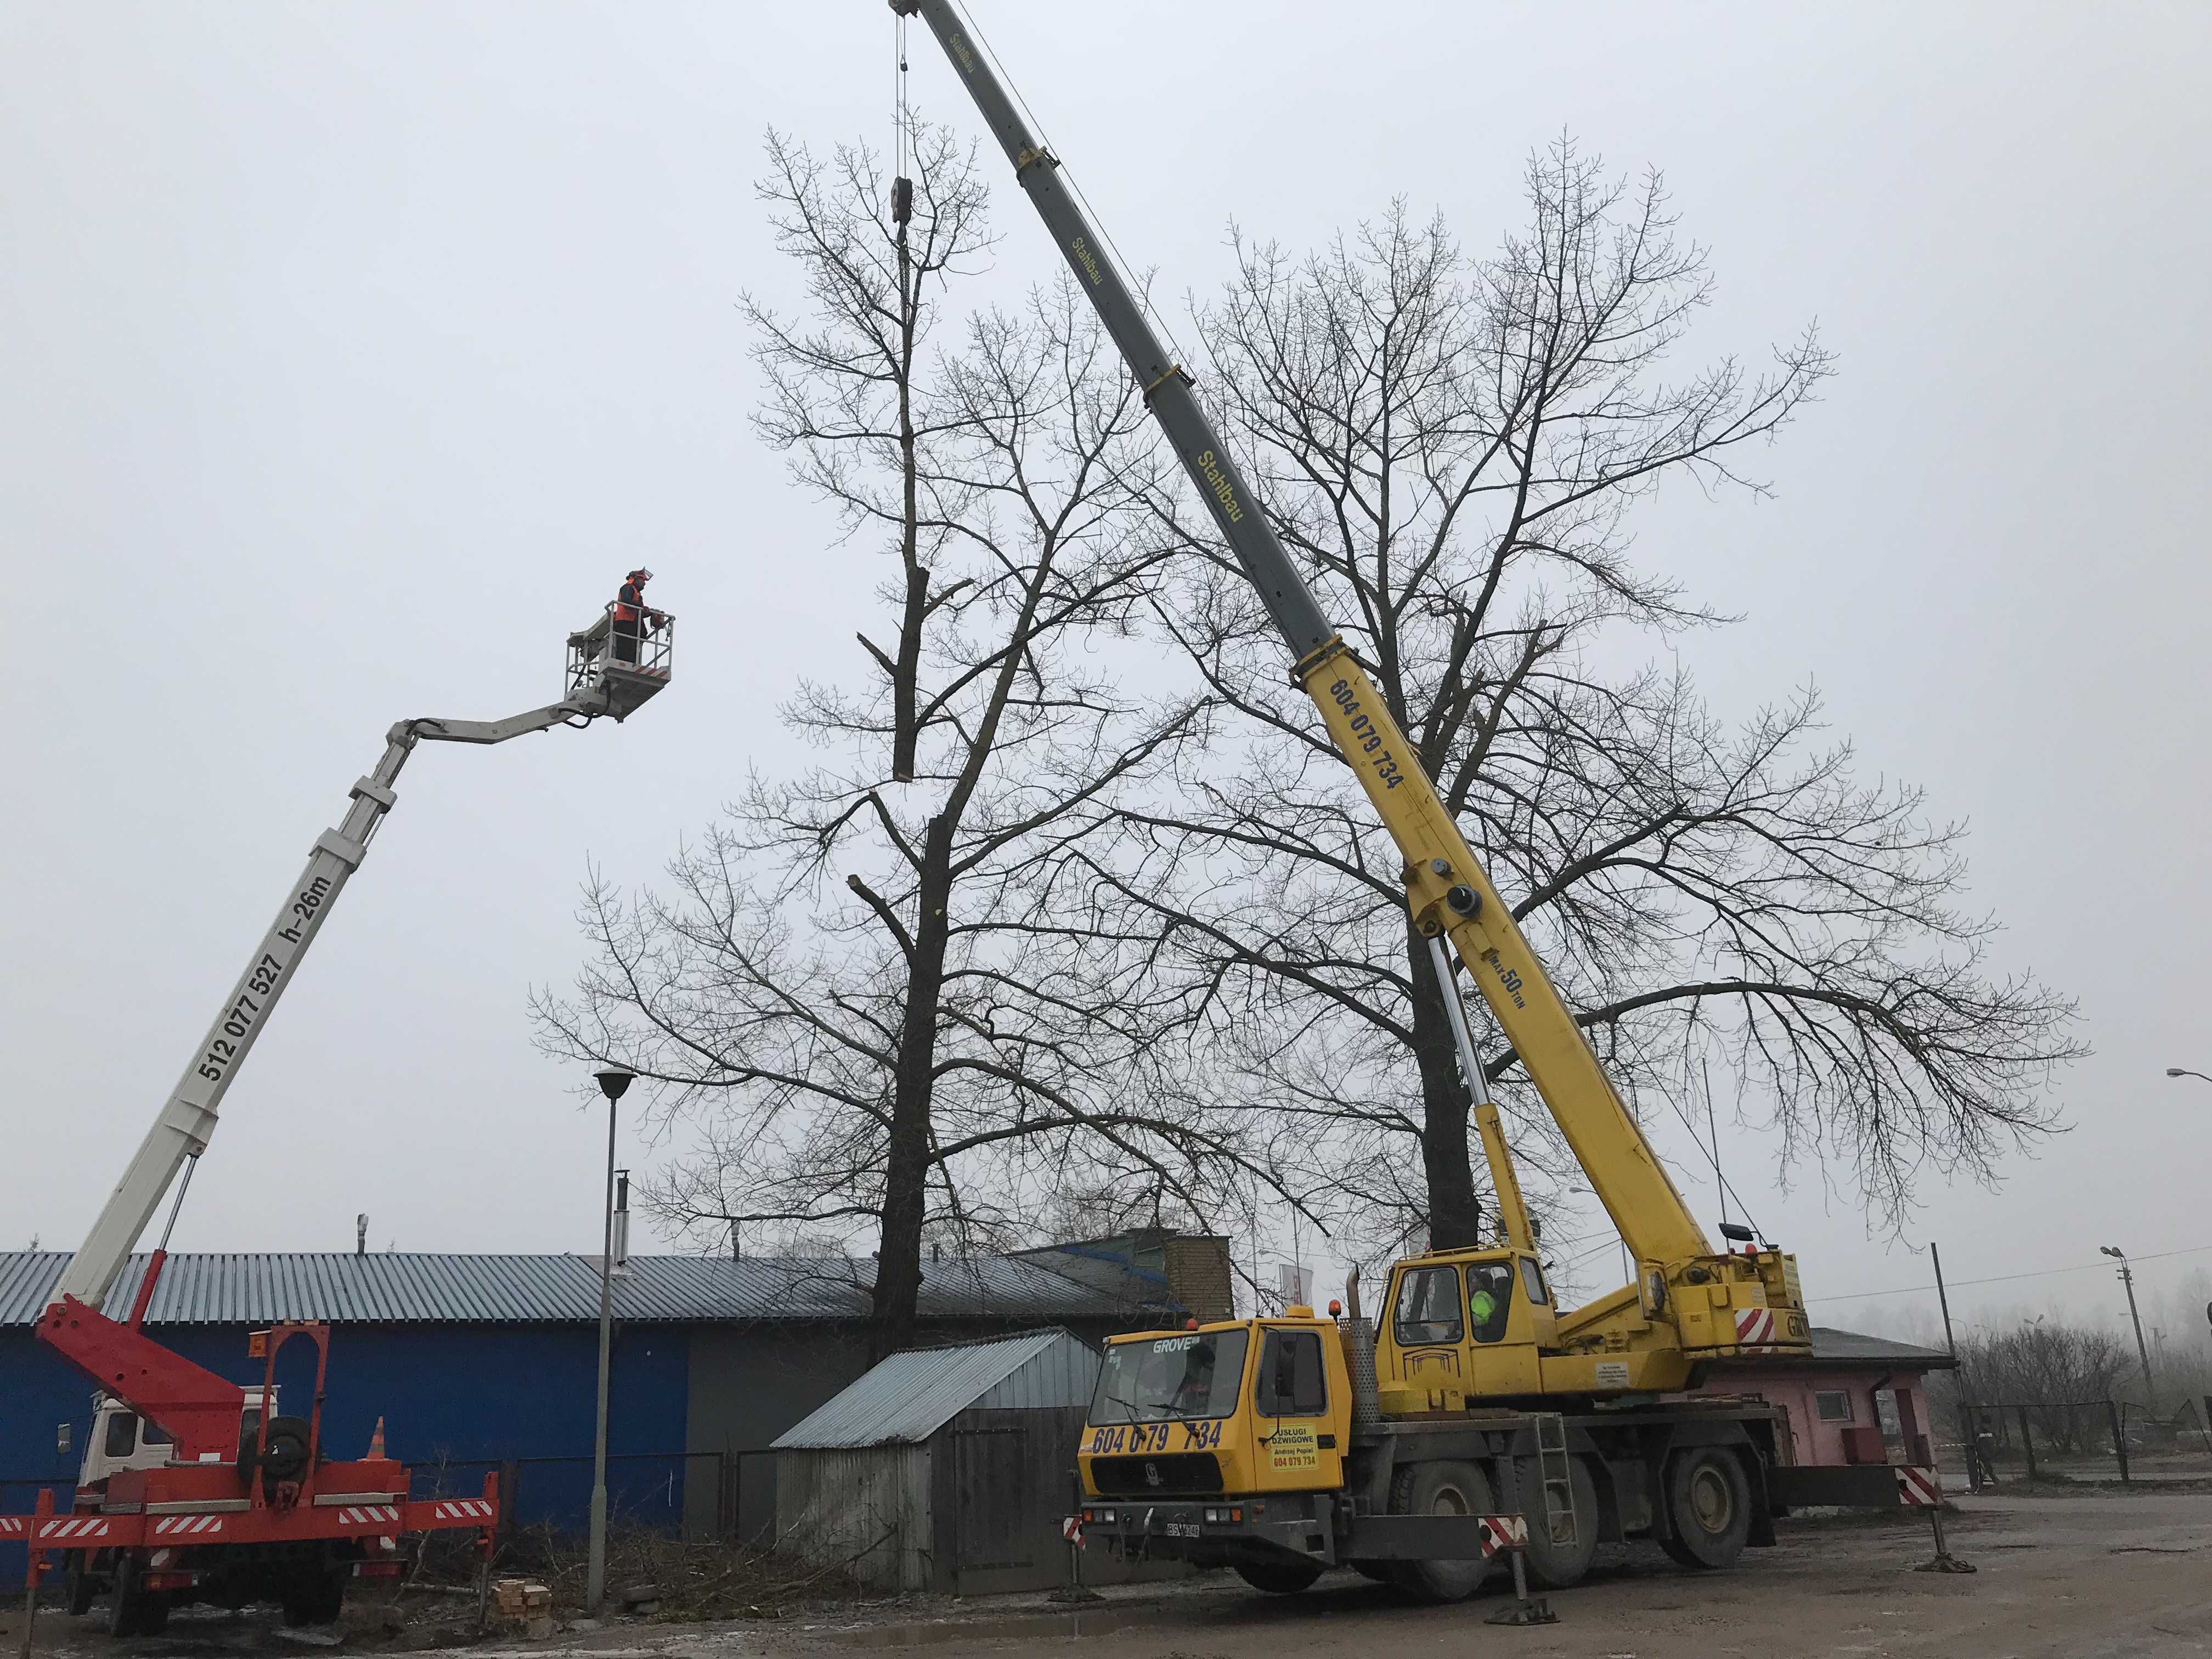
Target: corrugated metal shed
[[397, 1288], [909, 1396]]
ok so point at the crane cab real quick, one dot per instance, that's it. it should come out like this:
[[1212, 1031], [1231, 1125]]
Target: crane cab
[[1460, 1325]]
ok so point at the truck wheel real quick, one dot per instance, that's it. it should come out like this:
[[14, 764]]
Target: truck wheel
[[132, 1611], [78, 1577], [1708, 1501], [1382, 1573], [316, 1596], [1279, 1577], [1555, 1566], [1441, 1489]]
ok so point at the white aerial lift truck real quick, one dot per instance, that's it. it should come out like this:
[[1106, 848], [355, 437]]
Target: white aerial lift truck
[[194, 1488]]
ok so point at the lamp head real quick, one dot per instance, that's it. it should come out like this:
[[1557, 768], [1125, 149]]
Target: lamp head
[[2112, 1250], [615, 1080]]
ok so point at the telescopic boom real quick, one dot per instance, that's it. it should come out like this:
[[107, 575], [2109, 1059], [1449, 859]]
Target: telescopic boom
[[1447, 891]]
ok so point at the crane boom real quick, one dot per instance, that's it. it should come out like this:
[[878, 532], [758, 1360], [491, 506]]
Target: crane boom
[[187, 1120], [1448, 893]]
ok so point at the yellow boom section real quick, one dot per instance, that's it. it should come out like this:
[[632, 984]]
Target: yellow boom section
[[1447, 891]]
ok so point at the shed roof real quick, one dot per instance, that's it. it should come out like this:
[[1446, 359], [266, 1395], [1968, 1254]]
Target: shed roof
[[1836, 1350], [1849, 1348], [426, 1288], [905, 1399]]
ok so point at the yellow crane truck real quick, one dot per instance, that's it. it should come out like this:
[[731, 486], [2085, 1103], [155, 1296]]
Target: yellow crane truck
[[1283, 1446]]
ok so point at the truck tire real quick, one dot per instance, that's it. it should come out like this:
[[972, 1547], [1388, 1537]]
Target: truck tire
[[1279, 1577], [1709, 1504], [132, 1611], [1441, 1488], [77, 1578], [1556, 1566], [316, 1596]]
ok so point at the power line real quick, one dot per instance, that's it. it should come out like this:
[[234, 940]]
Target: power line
[[1998, 1279]]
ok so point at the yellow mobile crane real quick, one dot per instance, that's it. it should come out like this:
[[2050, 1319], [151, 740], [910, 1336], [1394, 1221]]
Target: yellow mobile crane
[[1351, 1444]]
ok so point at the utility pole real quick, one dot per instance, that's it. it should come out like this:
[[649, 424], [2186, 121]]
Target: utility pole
[[612, 1082], [2143, 1348], [1970, 1421]]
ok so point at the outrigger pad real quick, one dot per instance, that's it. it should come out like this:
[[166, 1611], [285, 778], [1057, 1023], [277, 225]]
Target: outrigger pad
[[1528, 1610], [1946, 1562]]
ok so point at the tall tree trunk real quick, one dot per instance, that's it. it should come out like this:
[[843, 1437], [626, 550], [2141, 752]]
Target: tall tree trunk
[[898, 1253], [1454, 1212]]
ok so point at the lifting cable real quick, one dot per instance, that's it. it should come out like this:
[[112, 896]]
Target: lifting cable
[[901, 186], [1142, 292]]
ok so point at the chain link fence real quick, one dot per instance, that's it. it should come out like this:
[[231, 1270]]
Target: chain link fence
[[2082, 1440]]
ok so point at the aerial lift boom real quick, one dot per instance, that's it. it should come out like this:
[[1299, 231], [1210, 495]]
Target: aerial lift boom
[[257, 1491], [1657, 1331], [187, 1120]]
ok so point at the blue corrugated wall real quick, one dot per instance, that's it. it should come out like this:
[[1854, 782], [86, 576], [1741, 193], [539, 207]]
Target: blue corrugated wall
[[464, 1395]]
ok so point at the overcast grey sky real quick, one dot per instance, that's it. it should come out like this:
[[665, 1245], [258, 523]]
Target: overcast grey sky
[[351, 351]]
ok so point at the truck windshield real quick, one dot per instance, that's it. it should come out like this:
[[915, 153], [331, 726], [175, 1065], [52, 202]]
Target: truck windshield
[[1196, 1375]]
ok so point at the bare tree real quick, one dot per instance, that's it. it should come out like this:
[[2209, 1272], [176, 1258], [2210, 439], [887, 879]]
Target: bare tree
[[862, 989], [1454, 447], [2064, 1372]]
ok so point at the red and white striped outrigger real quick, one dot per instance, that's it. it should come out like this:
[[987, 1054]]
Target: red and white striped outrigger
[[126, 1522]]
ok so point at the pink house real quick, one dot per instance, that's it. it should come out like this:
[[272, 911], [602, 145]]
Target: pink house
[[1856, 1400]]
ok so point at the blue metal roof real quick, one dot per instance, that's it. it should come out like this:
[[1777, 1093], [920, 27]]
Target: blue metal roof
[[906, 1398], [411, 1288]]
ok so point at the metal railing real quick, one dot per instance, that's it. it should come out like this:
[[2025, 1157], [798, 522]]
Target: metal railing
[[642, 648]]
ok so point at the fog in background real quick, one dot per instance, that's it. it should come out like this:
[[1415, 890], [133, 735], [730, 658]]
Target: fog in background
[[350, 353]]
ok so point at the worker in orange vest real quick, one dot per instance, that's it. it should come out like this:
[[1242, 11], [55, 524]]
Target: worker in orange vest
[[633, 617]]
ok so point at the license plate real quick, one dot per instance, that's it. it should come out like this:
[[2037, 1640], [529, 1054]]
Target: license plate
[[1179, 1528]]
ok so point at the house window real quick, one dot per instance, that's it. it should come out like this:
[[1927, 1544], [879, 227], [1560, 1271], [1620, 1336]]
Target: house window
[[1831, 1405]]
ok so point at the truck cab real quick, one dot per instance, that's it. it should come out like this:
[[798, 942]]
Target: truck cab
[[123, 1439], [1239, 1408]]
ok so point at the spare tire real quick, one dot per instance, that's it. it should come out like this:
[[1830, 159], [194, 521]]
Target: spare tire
[[286, 1453]]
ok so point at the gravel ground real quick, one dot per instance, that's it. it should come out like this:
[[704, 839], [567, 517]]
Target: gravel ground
[[2079, 1575]]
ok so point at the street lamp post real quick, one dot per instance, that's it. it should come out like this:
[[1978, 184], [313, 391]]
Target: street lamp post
[[612, 1082], [2143, 1348]]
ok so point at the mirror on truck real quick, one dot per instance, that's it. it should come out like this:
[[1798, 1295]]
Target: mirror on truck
[[63, 1436]]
